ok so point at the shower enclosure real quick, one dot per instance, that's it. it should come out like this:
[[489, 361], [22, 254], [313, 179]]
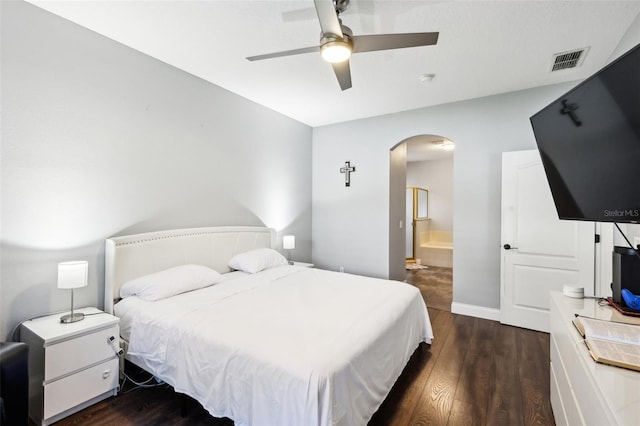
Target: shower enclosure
[[417, 219]]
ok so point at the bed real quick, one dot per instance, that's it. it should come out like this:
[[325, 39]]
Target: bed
[[283, 344]]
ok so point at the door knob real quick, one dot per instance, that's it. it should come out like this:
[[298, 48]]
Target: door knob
[[508, 247]]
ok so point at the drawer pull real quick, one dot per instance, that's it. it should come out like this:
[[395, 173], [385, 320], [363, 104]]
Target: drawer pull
[[106, 374]]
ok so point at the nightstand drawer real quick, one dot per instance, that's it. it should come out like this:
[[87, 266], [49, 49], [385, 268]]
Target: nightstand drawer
[[66, 393], [75, 354]]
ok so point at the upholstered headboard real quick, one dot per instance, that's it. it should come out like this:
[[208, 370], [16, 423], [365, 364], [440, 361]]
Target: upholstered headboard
[[132, 256]]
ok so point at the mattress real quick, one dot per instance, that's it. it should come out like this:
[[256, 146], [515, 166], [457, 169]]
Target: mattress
[[287, 346]]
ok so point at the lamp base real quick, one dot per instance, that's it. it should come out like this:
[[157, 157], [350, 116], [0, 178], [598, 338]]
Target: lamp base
[[69, 318]]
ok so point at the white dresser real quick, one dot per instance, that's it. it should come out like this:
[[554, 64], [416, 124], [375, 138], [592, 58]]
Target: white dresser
[[584, 392], [71, 366]]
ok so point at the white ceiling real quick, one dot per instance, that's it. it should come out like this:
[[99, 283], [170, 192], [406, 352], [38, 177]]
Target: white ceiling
[[484, 48]]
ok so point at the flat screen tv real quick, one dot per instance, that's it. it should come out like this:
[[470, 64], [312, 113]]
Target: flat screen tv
[[589, 141]]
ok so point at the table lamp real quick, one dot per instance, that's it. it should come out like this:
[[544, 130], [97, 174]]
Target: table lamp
[[72, 275], [289, 243]]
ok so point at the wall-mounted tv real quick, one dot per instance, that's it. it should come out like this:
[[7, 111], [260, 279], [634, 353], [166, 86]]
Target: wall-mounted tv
[[589, 141]]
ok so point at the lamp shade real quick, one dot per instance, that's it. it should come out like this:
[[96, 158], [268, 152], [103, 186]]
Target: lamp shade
[[289, 242], [73, 274]]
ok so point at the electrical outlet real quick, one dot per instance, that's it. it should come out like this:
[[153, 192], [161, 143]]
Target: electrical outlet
[[342, 269]]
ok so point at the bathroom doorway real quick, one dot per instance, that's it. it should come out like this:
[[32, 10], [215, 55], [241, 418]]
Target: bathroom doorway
[[429, 262]]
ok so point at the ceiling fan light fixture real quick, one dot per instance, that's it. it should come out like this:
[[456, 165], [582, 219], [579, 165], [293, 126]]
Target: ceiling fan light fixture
[[447, 145], [335, 51], [444, 144]]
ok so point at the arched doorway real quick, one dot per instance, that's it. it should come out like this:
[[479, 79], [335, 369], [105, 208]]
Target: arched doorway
[[428, 172]]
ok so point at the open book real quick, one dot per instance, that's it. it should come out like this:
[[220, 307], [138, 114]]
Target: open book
[[611, 343]]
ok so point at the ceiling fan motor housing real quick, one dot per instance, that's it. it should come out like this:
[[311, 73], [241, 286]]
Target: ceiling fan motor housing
[[347, 35], [340, 5]]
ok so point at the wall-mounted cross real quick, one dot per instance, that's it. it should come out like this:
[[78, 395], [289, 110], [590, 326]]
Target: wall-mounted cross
[[347, 169], [570, 109]]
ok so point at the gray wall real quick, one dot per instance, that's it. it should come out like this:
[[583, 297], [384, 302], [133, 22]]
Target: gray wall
[[397, 212], [101, 140], [351, 227]]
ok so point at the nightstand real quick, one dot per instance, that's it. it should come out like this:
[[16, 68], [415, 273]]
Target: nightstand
[[71, 366], [304, 265]]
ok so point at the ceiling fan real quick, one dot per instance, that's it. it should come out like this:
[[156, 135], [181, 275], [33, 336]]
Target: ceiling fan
[[337, 41]]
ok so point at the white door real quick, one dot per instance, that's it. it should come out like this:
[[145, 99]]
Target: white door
[[540, 253]]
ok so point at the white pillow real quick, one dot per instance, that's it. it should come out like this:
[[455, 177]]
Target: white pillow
[[170, 282], [257, 260]]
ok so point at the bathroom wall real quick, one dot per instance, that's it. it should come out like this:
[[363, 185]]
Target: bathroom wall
[[437, 177]]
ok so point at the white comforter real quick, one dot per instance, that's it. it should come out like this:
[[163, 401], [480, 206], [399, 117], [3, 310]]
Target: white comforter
[[286, 346]]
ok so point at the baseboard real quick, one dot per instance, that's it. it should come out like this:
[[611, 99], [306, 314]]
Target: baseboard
[[475, 311]]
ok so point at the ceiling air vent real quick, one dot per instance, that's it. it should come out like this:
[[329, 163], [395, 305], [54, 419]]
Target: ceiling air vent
[[572, 59]]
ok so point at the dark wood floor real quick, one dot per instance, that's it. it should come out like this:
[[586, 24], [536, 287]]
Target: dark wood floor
[[476, 372], [435, 284]]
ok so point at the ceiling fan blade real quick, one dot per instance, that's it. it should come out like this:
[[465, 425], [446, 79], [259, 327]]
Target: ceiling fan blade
[[370, 43], [328, 17], [343, 72], [284, 53]]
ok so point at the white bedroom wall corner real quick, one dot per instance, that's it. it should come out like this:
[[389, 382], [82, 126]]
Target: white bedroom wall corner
[[632, 231], [604, 259]]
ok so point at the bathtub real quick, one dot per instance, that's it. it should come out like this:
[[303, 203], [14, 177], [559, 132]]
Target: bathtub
[[436, 249], [444, 245]]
